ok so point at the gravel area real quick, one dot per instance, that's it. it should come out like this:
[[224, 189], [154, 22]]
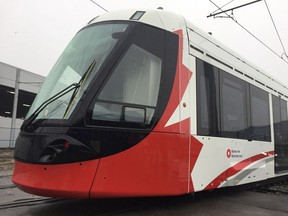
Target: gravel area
[[277, 188], [6, 160]]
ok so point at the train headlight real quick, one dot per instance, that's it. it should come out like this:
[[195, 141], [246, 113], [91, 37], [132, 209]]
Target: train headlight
[[63, 151], [54, 150]]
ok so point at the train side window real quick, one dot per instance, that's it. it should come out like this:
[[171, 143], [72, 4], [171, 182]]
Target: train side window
[[207, 103], [233, 105], [134, 87], [276, 119], [135, 83], [284, 121], [280, 120], [230, 107], [260, 118], [135, 80]]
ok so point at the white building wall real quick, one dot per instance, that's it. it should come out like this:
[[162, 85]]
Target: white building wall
[[29, 82]]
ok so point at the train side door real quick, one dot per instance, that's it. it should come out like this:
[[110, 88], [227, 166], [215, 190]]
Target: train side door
[[280, 119]]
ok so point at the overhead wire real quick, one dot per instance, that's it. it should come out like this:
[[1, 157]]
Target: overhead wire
[[99, 5], [223, 6], [285, 53], [249, 32]]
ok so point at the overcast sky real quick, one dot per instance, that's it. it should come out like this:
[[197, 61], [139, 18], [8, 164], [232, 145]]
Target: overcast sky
[[33, 33]]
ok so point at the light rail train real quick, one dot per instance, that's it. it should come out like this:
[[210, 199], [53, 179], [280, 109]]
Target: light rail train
[[143, 103]]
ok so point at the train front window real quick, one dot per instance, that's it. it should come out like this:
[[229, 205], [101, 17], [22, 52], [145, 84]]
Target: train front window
[[129, 96], [135, 81], [82, 58]]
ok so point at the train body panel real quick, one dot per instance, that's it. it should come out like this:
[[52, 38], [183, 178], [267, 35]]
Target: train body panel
[[65, 180], [160, 161], [175, 133], [158, 166], [231, 162]]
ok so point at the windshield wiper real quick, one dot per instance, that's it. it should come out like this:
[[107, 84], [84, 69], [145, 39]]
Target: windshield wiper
[[74, 86], [34, 115], [80, 83]]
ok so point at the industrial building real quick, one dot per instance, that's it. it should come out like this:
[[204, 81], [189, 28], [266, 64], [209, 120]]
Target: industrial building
[[18, 89]]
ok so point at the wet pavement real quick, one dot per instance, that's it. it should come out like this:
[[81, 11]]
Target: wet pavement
[[218, 202], [232, 203]]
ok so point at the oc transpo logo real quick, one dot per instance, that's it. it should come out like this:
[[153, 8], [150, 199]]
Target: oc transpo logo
[[228, 153], [234, 153]]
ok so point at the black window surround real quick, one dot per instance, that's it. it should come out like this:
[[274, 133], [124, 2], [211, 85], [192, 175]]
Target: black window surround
[[135, 91], [280, 121], [230, 107]]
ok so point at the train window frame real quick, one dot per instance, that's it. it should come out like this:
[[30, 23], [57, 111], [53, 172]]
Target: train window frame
[[233, 125], [158, 42], [276, 106], [215, 126], [284, 119], [128, 100], [207, 123], [280, 122], [258, 95]]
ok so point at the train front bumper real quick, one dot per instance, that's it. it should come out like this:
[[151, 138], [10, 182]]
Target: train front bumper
[[71, 180]]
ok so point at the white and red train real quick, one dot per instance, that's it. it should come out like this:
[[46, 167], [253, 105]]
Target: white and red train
[[143, 103]]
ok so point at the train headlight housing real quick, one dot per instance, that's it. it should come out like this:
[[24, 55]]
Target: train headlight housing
[[63, 151]]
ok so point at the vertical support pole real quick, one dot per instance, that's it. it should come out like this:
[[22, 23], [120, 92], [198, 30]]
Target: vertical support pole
[[14, 112]]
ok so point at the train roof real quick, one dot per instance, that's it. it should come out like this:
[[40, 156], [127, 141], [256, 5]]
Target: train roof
[[201, 44]]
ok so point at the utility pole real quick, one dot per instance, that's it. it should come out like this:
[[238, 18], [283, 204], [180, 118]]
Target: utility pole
[[14, 112]]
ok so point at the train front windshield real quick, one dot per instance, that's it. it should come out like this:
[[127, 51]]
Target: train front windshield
[[113, 72], [80, 61], [121, 73]]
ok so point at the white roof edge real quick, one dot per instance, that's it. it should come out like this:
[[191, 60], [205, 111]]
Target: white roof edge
[[238, 57]]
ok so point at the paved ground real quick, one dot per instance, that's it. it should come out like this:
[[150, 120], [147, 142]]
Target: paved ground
[[219, 202], [233, 203], [8, 192]]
